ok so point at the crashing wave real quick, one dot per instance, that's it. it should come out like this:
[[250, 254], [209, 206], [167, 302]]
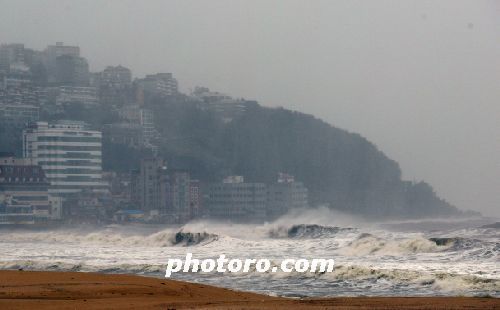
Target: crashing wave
[[189, 239], [445, 241], [369, 244], [495, 225], [444, 282], [307, 231], [456, 243], [162, 238]]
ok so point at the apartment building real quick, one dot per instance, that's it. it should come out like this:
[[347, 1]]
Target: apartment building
[[233, 199], [69, 153], [24, 197]]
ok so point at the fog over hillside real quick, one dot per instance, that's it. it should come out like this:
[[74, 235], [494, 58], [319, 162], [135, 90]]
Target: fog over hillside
[[419, 79]]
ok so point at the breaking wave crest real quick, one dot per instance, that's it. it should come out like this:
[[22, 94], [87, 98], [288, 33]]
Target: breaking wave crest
[[442, 282], [457, 243], [369, 244], [162, 238], [307, 231]]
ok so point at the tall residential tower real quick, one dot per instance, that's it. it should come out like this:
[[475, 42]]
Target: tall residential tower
[[69, 153]]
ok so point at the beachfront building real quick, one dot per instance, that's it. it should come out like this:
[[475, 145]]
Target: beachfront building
[[195, 198], [69, 153], [149, 186], [178, 196], [284, 195], [233, 199], [24, 196]]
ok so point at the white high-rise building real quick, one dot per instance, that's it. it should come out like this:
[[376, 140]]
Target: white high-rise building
[[69, 153]]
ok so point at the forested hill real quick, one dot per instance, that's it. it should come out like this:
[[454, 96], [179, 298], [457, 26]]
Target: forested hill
[[341, 169]]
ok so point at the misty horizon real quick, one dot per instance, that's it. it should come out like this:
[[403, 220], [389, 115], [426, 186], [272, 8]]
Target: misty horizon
[[418, 79], [250, 154]]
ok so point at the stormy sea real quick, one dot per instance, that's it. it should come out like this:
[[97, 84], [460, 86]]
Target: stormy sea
[[399, 258]]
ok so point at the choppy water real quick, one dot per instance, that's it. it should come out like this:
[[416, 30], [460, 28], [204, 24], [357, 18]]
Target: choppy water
[[458, 259]]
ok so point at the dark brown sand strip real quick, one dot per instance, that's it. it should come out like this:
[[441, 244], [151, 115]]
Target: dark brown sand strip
[[75, 290]]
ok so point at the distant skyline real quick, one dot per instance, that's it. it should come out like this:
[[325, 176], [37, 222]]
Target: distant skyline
[[420, 79]]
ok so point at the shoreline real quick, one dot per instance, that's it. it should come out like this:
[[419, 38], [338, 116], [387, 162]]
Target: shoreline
[[80, 290]]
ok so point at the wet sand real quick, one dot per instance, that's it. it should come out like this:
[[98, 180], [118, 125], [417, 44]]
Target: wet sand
[[78, 290]]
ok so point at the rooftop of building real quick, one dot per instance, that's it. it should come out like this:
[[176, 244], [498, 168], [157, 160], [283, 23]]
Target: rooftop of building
[[61, 124], [20, 170]]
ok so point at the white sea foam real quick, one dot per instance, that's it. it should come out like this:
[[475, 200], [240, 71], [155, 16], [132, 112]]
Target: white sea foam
[[369, 244], [163, 238], [369, 260]]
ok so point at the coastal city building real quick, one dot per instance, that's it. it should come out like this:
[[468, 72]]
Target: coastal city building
[[23, 95], [17, 87], [130, 113], [178, 197], [117, 77], [230, 110], [196, 199], [72, 71], [163, 195], [77, 94], [59, 49], [149, 186], [16, 116], [24, 196], [114, 86], [18, 76], [119, 187], [160, 84], [284, 195], [221, 104], [144, 118], [87, 206], [52, 53], [206, 95], [11, 53], [70, 154], [129, 134], [233, 199]]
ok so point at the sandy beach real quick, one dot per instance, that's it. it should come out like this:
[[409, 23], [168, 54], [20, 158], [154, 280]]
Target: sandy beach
[[76, 290]]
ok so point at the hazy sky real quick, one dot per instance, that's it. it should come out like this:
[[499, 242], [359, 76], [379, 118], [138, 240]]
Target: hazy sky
[[421, 79]]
